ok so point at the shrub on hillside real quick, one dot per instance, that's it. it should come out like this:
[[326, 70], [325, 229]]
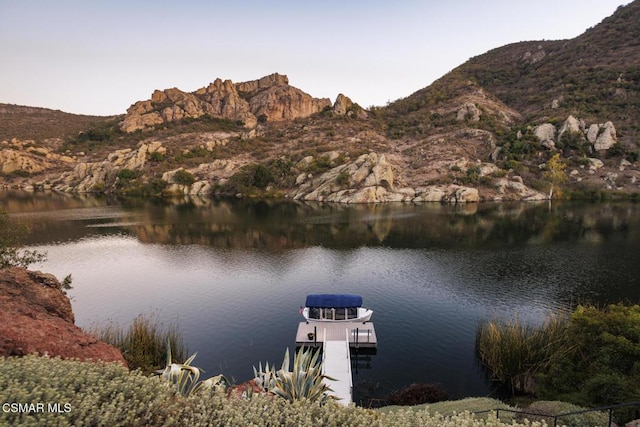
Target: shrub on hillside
[[591, 360], [108, 394], [604, 366], [551, 408], [417, 394], [184, 177]]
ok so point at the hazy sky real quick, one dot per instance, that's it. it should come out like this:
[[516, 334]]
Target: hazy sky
[[99, 57]]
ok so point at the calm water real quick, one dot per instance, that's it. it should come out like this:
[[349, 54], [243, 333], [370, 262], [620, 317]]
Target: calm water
[[234, 274]]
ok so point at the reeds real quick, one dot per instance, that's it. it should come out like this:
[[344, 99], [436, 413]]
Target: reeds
[[514, 351], [144, 343]]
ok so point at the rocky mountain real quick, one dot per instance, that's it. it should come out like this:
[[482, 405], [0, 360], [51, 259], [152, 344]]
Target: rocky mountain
[[270, 98], [520, 122]]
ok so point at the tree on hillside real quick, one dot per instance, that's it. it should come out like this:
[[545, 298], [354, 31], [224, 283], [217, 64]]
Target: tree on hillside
[[11, 241], [554, 173]]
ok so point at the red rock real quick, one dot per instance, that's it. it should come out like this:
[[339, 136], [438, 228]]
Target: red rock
[[36, 317]]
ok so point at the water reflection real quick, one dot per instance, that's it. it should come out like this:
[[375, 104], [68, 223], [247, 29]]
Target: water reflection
[[278, 225], [235, 272]]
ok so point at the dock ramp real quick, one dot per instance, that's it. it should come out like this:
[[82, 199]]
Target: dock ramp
[[336, 359]]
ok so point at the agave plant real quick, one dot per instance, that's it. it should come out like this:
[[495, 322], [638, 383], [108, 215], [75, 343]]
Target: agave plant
[[186, 378], [304, 381], [265, 379]]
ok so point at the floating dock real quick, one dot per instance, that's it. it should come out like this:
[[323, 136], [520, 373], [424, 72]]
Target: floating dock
[[361, 335], [337, 339]]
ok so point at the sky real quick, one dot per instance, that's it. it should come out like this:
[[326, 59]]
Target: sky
[[100, 56]]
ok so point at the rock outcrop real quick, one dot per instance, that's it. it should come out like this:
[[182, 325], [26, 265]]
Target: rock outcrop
[[36, 317], [270, 98], [571, 126], [344, 106], [370, 179], [468, 111], [601, 136], [22, 157], [546, 134]]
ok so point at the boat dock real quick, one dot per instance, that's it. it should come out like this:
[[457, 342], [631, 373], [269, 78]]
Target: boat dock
[[361, 335], [337, 339]]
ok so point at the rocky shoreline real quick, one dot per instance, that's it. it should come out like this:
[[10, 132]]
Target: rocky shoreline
[[36, 317]]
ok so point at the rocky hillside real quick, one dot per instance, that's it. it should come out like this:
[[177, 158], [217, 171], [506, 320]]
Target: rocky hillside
[[512, 124], [48, 127]]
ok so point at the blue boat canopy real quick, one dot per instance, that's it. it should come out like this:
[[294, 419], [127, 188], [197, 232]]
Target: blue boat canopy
[[333, 300]]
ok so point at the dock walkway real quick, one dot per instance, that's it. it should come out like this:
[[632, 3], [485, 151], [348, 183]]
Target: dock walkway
[[337, 338], [337, 365]]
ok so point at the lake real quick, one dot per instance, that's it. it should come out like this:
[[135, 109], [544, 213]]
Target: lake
[[234, 273]]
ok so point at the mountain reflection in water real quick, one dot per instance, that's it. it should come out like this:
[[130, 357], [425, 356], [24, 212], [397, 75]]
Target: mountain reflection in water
[[234, 273]]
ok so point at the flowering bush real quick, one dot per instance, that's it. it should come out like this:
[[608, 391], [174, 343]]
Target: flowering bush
[[81, 393]]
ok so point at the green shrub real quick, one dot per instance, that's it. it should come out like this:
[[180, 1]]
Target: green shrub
[[417, 394], [633, 156], [451, 407], [126, 175], [322, 164], [257, 176], [473, 174], [343, 179], [589, 359], [603, 367], [157, 157], [184, 177], [155, 187], [97, 394], [551, 408]]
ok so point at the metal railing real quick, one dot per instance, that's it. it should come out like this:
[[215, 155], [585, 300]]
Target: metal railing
[[346, 332], [558, 417], [356, 336]]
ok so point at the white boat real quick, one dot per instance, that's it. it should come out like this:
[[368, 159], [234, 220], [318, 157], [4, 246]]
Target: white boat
[[335, 308]]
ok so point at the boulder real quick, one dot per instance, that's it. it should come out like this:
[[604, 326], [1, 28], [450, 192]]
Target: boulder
[[595, 164], [341, 105], [602, 136], [546, 134], [515, 189], [447, 194], [571, 125], [36, 317], [606, 137]]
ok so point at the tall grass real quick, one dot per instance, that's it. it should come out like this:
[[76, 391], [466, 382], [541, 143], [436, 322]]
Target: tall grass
[[144, 343], [514, 351]]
